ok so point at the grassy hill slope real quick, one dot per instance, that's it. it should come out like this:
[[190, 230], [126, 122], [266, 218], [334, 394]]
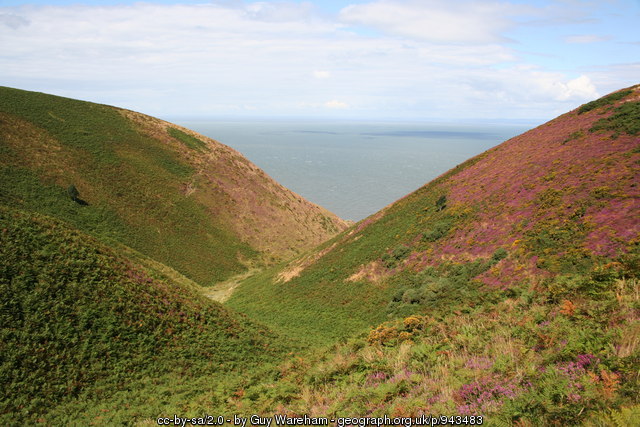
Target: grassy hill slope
[[176, 196], [77, 320], [508, 287]]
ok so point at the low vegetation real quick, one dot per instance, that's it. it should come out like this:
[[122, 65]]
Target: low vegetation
[[605, 101], [624, 120], [508, 288], [188, 140], [78, 320], [188, 202], [555, 355]]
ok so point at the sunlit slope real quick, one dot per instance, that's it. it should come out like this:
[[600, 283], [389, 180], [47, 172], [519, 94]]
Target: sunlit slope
[[510, 287], [558, 351], [557, 200], [79, 320], [176, 196]]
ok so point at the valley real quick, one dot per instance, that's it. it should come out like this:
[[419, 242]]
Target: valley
[[190, 282]]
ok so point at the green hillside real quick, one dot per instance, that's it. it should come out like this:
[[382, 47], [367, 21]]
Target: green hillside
[[176, 196], [507, 287], [79, 320]]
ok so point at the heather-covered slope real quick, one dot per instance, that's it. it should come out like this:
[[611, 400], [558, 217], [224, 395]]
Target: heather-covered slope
[[77, 320], [176, 196], [509, 287], [555, 200]]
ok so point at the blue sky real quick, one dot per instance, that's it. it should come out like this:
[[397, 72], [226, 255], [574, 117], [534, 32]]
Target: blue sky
[[375, 59]]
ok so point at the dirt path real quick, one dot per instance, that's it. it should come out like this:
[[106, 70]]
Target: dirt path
[[222, 291]]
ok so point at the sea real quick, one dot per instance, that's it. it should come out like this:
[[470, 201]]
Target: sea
[[354, 169]]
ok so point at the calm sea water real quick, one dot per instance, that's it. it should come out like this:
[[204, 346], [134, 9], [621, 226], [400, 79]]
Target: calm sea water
[[354, 168]]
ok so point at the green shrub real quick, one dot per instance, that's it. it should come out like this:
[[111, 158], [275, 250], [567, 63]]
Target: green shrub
[[606, 100], [438, 230], [499, 254], [397, 255], [625, 119]]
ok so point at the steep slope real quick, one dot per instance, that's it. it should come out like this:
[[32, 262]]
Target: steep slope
[[176, 196], [555, 200], [79, 320], [510, 286]]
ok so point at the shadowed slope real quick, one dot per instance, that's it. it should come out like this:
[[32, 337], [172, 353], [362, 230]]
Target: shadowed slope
[[77, 319]]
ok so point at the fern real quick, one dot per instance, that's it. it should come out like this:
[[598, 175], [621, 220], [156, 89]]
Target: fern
[[623, 417]]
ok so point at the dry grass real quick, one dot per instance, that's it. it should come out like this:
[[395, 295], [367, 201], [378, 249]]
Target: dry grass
[[373, 272], [222, 291], [296, 267]]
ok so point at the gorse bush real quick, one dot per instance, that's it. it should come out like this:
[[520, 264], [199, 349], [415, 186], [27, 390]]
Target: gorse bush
[[446, 286], [499, 254]]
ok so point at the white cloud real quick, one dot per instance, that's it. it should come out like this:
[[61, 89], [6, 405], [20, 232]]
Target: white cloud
[[281, 58], [281, 11], [581, 88], [586, 38], [336, 104], [436, 20], [551, 85], [318, 74]]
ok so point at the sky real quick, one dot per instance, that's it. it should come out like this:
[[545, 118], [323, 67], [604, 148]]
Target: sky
[[504, 60]]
